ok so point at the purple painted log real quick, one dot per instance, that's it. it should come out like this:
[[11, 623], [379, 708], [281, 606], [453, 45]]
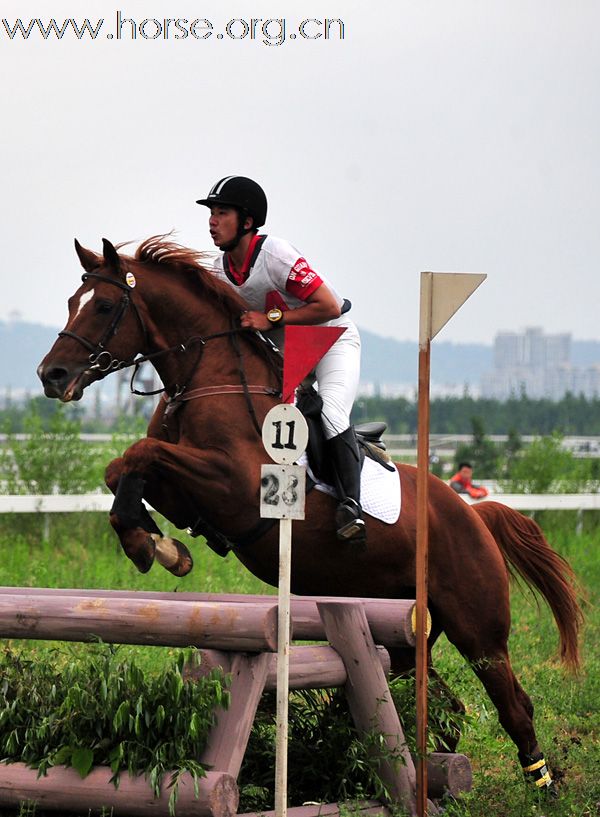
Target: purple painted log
[[390, 620], [368, 807], [228, 739], [317, 667], [448, 774], [368, 694], [63, 789], [226, 626]]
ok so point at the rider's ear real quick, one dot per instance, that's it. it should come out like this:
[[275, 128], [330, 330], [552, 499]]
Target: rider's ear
[[111, 256], [89, 260]]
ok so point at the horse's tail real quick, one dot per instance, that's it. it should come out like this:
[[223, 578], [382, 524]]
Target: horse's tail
[[528, 554]]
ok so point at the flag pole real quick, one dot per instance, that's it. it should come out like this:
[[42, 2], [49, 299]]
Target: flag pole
[[442, 294], [422, 555]]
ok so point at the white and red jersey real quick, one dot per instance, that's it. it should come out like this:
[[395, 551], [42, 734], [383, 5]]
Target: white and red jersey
[[274, 273]]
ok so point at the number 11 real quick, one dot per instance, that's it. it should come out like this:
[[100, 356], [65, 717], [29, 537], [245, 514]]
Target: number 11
[[290, 441]]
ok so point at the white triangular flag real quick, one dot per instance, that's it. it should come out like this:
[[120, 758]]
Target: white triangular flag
[[443, 294]]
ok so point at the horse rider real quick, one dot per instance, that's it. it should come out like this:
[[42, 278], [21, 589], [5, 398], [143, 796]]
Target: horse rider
[[281, 288]]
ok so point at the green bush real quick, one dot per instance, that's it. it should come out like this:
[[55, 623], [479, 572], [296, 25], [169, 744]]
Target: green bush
[[52, 461], [545, 467], [98, 707], [329, 760]]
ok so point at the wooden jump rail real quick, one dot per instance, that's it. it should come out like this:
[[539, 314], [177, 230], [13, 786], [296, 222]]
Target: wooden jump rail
[[239, 634]]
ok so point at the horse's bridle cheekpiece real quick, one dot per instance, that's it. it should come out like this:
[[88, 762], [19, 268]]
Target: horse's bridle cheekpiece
[[100, 358]]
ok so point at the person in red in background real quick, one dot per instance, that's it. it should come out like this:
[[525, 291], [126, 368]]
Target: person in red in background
[[462, 482]]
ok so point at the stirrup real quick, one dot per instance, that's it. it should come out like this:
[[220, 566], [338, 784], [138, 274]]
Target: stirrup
[[349, 523]]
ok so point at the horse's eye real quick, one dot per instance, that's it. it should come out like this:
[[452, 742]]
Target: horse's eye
[[104, 307]]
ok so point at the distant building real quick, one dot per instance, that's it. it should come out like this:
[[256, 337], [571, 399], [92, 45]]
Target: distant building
[[538, 365]]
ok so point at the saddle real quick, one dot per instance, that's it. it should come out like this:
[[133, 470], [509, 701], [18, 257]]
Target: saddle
[[368, 436]]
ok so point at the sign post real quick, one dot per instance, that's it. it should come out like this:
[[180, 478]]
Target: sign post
[[442, 294], [285, 435], [282, 496]]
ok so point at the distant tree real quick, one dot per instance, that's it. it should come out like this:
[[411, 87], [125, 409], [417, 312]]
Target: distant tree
[[513, 445], [546, 467], [481, 452], [53, 458]]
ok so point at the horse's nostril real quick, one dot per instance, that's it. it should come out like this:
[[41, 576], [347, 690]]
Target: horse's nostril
[[56, 374]]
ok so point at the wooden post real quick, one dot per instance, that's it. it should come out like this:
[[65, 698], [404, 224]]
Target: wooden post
[[228, 739], [368, 694], [422, 576], [442, 294]]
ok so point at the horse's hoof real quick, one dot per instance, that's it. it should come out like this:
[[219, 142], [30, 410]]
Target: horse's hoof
[[142, 552], [536, 772], [172, 555]]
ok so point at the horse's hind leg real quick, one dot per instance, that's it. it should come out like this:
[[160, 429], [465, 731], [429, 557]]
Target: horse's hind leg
[[491, 664], [515, 712], [403, 665], [141, 538]]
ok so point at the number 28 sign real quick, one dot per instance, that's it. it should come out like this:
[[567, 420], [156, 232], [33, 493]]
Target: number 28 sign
[[285, 435]]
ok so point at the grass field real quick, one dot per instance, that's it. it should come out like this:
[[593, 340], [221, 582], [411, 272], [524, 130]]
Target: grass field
[[567, 708]]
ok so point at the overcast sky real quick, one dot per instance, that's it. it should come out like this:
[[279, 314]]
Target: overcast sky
[[436, 135]]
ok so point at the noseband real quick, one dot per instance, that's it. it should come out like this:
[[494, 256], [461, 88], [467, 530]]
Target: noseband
[[100, 358]]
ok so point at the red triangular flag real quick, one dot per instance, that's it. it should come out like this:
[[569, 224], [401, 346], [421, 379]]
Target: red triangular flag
[[304, 346]]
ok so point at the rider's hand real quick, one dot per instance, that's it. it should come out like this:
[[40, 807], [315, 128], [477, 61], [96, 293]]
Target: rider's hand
[[255, 320]]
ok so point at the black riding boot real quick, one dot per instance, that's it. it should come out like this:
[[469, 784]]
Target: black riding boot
[[343, 451]]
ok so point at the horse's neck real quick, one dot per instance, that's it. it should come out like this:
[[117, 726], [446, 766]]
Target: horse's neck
[[176, 321], [181, 318]]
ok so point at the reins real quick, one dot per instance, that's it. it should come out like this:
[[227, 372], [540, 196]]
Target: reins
[[101, 358]]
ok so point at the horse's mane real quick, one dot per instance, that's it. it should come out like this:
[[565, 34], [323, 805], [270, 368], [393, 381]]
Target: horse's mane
[[158, 249]]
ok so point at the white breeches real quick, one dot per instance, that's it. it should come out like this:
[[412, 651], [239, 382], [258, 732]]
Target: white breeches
[[337, 375]]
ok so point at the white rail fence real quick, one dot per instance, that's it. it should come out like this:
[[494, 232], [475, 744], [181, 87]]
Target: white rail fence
[[75, 503]]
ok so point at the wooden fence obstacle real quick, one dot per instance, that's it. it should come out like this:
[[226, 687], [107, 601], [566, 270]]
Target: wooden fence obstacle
[[391, 620], [448, 774], [62, 789], [238, 634]]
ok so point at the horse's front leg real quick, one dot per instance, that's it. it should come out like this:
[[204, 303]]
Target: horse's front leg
[[140, 537]]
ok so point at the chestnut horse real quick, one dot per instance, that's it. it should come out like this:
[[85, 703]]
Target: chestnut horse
[[202, 458]]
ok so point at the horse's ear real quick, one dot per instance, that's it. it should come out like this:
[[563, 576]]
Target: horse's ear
[[111, 256], [89, 260]]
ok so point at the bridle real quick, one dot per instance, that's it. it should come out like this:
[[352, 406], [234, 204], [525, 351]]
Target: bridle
[[100, 358]]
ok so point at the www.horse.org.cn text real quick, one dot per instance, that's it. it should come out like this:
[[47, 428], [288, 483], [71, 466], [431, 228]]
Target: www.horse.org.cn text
[[270, 31]]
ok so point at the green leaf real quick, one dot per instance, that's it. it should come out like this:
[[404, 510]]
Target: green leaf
[[121, 715], [160, 715], [61, 757], [82, 760]]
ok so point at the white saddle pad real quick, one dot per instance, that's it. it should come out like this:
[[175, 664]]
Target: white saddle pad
[[380, 494]]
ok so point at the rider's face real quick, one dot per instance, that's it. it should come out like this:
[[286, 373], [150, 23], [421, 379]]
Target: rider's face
[[223, 224]]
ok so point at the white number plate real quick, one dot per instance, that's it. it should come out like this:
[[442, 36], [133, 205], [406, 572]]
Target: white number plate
[[285, 434], [282, 491]]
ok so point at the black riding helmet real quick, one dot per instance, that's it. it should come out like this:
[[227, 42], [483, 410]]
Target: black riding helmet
[[242, 193]]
